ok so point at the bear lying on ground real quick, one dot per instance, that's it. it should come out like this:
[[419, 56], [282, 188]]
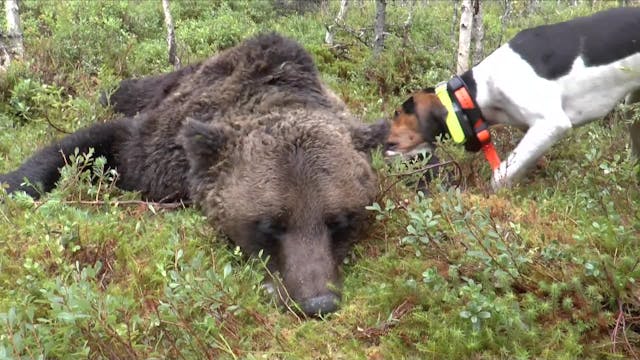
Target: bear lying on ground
[[254, 139]]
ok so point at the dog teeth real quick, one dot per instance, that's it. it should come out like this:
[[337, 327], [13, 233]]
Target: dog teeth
[[421, 148]]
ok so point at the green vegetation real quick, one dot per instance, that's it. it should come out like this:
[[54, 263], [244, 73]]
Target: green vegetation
[[548, 269]]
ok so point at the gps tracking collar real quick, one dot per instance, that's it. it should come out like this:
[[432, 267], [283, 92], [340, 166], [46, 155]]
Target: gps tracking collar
[[464, 119]]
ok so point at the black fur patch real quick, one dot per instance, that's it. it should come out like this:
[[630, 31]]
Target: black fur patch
[[42, 169], [135, 95], [409, 106], [468, 79], [600, 39]]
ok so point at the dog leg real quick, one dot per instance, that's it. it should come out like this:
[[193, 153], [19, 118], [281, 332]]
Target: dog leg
[[537, 140]]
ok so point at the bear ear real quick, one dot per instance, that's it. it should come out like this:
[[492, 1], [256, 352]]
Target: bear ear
[[202, 142], [367, 137]]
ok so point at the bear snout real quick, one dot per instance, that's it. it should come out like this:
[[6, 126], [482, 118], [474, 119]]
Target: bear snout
[[309, 272], [320, 305]]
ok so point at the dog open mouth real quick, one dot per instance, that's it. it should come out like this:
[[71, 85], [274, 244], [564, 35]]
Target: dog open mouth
[[417, 151]]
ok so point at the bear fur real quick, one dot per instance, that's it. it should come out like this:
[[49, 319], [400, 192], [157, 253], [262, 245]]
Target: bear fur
[[255, 140]]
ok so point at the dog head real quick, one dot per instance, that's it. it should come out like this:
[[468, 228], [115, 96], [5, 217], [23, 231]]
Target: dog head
[[416, 124]]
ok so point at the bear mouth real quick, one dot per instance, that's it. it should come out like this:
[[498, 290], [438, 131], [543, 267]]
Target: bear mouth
[[314, 307]]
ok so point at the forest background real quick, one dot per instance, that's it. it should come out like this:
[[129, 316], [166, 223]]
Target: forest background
[[548, 269]]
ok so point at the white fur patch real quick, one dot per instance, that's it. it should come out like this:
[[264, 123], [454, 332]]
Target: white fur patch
[[510, 92], [418, 149]]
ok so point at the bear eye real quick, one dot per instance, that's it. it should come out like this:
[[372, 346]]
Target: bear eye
[[270, 229], [341, 225]]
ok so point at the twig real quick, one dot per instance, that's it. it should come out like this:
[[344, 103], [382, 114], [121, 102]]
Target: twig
[[622, 324], [287, 300], [56, 127], [375, 333], [352, 32], [420, 170], [160, 205], [167, 334]]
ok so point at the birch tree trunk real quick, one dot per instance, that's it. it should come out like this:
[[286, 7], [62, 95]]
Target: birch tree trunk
[[531, 7], [477, 35], [342, 13], [13, 28], [324, 6], [406, 27], [381, 13], [171, 36], [504, 19], [464, 39]]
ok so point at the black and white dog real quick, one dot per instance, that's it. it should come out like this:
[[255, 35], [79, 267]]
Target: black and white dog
[[546, 80]]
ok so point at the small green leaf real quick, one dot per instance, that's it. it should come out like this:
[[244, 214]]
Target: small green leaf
[[227, 270], [484, 314]]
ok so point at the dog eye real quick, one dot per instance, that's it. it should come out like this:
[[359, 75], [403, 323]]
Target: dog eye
[[396, 113]]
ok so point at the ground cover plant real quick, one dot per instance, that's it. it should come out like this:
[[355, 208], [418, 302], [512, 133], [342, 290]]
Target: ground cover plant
[[548, 269]]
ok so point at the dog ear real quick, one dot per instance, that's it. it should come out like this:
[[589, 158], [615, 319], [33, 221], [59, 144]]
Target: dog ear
[[431, 115], [202, 142]]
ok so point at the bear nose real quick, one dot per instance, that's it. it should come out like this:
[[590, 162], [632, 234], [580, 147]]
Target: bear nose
[[320, 305]]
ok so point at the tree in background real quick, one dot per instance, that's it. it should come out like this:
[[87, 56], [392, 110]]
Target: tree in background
[[406, 27], [328, 38], [464, 37], [379, 26], [471, 31], [477, 33], [171, 35], [12, 45]]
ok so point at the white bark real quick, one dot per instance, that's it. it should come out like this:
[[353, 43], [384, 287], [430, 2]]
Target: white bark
[[477, 33], [381, 14], [171, 36], [342, 13], [324, 6], [406, 27], [13, 27], [407, 24], [464, 39], [5, 58], [504, 19], [532, 5]]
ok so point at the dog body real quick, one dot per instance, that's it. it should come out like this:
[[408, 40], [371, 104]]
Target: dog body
[[546, 80]]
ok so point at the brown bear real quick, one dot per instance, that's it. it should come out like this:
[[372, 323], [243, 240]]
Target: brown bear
[[255, 140]]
